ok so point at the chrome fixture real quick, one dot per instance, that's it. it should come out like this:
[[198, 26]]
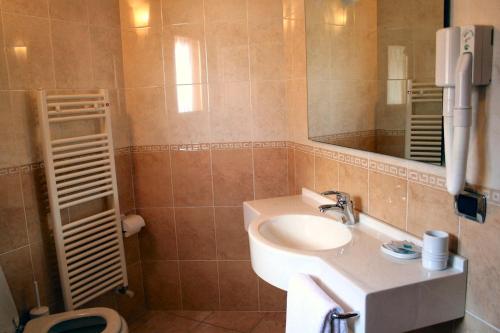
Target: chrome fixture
[[344, 206]]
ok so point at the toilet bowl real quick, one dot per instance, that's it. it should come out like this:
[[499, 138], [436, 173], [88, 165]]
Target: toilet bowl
[[92, 320]]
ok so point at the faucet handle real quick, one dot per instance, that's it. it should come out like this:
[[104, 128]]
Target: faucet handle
[[342, 197]]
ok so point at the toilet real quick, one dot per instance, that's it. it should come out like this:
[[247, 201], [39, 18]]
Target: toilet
[[92, 320]]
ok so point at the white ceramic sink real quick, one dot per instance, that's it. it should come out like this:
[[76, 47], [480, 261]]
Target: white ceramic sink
[[288, 235], [305, 232]]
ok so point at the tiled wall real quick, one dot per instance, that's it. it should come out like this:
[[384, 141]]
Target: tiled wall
[[56, 45], [190, 185], [194, 248]]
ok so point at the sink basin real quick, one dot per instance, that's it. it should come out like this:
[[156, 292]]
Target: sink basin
[[305, 232]]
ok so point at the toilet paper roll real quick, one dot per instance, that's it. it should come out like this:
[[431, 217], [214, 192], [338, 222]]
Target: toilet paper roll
[[132, 224]]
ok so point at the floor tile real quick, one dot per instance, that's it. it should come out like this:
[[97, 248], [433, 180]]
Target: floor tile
[[235, 320]]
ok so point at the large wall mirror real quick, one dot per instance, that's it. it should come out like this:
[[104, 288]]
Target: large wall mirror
[[370, 71]]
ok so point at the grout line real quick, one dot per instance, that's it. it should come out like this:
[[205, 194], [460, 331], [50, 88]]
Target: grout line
[[23, 201], [482, 321], [211, 167]]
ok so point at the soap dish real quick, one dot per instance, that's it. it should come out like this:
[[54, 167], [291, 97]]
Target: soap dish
[[402, 249]]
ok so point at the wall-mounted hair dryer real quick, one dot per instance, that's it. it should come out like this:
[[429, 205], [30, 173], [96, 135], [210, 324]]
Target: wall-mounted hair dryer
[[464, 57]]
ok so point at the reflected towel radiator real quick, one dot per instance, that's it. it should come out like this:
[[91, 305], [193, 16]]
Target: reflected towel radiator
[[424, 132], [80, 170]]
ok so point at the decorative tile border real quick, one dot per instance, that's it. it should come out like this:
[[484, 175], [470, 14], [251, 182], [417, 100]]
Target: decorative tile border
[[270, 144], [427, 179], [388, 169], [230, 145], [419, 177], [149, 149]]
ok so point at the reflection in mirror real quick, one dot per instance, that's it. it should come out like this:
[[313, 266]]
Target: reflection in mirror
[[370, 74]]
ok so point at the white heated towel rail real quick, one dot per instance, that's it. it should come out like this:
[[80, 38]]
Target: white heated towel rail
[[80, 168], [424, 132]]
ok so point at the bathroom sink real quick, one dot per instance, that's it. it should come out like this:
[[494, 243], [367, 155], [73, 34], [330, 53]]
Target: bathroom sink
[[289, 235], [305, 232]]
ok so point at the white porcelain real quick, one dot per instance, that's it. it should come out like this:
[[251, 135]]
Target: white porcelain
[[304, 232], [434, 265], [114, 322], [436, 242], [391, 295]]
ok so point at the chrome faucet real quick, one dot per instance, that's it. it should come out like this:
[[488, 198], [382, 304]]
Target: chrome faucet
[[344, 206]]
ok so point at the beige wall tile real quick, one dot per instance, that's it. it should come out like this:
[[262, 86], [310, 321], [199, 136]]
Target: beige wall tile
[[10, 154], [29, 56], [104, 13], [225, 10], [227, 51], [479, 244], [238, 286], [304, 171], [132, 308], [107, 63], [271, 172], [259, 10], [12, 219], [266, 61], [4, 78], [69, 10], [33, 187], [388, 199], [470, 324], [142, 58], [269, 110], [132, 249], [199, 282], [152, 180], [161, 285], [17, 269], [158, 240], [147, 116], [292, 189], [232, 176], [72, 59], [45, 271], [187, 127], [354, 180], [123, 165], [230, 112], [119, 118], [195, 226], [232, 238], [182, 11], [192, 178], [423, 199], [26, 7], [326, 174]]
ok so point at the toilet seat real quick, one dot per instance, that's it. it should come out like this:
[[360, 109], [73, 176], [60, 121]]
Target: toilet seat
[[114, 322]]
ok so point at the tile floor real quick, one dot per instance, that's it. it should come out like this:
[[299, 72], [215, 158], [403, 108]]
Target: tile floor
[[209, 322]]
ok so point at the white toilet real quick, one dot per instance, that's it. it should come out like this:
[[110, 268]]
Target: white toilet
[[92, 320]]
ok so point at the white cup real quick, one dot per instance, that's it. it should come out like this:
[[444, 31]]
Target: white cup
[[436, 242], [434, 265]]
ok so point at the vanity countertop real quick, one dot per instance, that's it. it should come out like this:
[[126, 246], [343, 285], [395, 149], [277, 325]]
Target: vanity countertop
[[358, 275]]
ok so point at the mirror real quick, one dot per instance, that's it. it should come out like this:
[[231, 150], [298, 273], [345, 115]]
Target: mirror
[[370, 76]]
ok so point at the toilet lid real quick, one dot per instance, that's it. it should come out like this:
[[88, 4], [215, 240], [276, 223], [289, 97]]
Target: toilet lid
[[8, 312], [43, 324]]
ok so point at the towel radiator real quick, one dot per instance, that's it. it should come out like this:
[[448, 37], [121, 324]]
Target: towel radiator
[[424, 131], [80, 170]]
